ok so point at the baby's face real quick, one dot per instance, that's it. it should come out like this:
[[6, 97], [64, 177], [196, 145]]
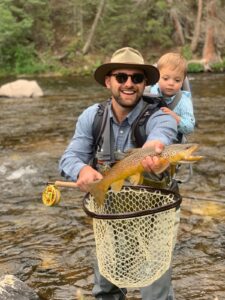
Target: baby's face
[[170, 81]]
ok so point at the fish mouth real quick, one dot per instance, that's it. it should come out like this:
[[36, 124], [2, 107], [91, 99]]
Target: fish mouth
[[190, 151]]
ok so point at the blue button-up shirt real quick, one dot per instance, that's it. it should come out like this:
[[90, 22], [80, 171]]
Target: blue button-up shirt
[[80, 151]]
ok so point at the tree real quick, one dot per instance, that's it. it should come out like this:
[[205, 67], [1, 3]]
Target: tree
[[61, 31], [196, 33], [209, 50], [176, 22], [13, 30], [94, 26]]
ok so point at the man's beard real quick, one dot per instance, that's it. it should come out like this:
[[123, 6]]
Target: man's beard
[[123, 103]]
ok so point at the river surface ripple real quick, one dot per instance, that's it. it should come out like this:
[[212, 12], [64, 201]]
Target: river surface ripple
[[52, 249]]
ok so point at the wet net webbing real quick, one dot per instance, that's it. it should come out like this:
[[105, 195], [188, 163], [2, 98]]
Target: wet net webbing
[[135, 232]]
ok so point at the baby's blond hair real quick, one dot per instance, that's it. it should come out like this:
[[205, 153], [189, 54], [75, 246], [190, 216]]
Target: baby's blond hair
[[173, 60]]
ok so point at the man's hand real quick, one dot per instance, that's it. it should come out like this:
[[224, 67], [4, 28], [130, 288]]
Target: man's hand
[[86, 176], [152, 164]]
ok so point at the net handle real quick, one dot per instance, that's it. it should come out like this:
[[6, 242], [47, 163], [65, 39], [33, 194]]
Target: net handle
[[59, 183], [175, 204]]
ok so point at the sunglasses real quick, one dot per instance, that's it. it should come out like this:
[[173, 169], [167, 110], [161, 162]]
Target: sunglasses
[[122, 77]]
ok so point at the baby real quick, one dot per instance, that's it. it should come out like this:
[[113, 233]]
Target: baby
[[173, 70]]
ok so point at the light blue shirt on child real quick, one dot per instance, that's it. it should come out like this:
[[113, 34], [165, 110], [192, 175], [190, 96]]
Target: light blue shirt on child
[[184, 108]]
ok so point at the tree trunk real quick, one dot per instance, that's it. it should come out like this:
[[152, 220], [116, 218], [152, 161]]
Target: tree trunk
[[176, 22], [195, 38], [209, 49], [87, 45]]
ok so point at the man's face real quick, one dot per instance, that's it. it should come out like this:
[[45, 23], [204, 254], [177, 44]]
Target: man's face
[[126, 90]]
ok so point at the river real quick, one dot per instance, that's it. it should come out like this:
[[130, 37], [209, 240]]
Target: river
[[52, 248]]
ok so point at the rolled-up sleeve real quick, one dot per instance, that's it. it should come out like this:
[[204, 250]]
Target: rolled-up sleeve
[[80, 150], [162, 127]]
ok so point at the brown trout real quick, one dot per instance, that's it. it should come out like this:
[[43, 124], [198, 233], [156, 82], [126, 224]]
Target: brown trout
[[131, 167]]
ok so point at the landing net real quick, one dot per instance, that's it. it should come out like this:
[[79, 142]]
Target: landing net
[[135, 232]]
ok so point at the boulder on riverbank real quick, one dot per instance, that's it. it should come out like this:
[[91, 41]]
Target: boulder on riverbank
[[12, 288], [21, 88]]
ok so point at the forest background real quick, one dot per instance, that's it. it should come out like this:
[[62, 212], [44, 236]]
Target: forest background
[[75, 36]]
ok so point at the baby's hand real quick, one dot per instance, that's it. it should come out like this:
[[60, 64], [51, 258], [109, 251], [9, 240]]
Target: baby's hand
[[168, 111]]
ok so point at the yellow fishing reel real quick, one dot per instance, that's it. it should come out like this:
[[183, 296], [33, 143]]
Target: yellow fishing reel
[[51, 195]]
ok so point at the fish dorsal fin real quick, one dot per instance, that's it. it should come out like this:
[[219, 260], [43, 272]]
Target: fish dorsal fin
[[135, 179], [117, 185]]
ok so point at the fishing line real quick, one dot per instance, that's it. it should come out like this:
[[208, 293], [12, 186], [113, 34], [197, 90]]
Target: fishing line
[[204, 199]]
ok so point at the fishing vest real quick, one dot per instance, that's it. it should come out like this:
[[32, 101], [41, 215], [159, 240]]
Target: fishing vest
[[103, 133]]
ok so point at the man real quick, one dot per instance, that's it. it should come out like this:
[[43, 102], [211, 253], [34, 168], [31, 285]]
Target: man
[[126, 76]]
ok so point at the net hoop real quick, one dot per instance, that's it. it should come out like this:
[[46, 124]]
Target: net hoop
[[175, 204]]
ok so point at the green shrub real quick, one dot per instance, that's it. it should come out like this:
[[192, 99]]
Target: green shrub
[[186, 52], [195, 68], [219, 66]]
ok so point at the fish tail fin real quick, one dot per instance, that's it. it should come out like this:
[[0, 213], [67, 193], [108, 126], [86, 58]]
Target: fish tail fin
[[98, 191]]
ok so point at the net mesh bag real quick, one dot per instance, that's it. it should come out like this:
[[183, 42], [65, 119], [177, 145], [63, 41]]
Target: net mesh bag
[[135, 232]]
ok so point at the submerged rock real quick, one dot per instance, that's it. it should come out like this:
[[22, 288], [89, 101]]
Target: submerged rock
[[12, 288], [21, 88]]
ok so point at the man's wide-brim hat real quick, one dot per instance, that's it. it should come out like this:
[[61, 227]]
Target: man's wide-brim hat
[[127, 58]]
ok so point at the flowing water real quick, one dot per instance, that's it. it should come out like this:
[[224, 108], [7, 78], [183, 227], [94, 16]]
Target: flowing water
[[52, 249]]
